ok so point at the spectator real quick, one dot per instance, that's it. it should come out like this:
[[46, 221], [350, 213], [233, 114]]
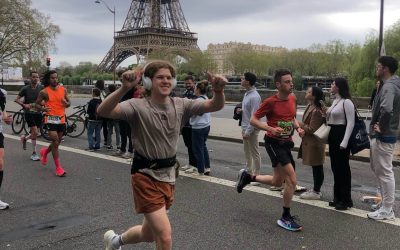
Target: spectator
[[312, 151], [341, 119], [113, 125], [383, 132], [251, 102], [94, 121], [200, 129]]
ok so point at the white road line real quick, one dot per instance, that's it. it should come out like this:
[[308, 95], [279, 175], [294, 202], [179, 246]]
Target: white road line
[[260, 190]]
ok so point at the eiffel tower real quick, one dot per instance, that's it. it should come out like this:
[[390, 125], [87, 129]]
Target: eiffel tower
[[150, 25]]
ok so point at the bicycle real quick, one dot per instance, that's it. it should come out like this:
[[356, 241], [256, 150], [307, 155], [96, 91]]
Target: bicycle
[[18, 124], [75, 123]]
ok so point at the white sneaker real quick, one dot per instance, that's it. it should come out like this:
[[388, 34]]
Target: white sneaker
[[273, 188], [3, 205], [191, 170], [108, 237], [207, 171], [311, 195], [35, 157], [186, 167], [127, 155], [381, 214], [197, 174]]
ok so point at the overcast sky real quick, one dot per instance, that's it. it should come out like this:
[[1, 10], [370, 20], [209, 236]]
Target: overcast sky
[[87, 27]]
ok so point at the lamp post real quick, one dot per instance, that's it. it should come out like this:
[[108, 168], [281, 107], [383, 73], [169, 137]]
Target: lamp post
[[381, 52], [113, 12]]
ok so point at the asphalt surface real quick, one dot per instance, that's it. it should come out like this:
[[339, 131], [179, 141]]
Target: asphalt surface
[[48, 212]]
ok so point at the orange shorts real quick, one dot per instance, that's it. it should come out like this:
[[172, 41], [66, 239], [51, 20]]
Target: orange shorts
[[150, 195]]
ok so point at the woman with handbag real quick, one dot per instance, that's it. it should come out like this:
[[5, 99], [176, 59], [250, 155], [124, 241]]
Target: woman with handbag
[[341, 118], [312, 150]]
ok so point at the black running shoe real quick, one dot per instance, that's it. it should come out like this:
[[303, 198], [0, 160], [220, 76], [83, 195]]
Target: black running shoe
[[244, 179]]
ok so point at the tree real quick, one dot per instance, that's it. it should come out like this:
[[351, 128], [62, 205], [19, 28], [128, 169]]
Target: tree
[[25, 33], [197, 62]]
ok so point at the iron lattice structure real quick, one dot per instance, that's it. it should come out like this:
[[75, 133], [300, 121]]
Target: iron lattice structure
[[150, 25]]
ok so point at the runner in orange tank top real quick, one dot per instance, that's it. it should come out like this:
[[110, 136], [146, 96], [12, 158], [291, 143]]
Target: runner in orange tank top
[[53, 100]]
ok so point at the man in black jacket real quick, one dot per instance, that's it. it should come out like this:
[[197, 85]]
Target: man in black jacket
[[187, 129]]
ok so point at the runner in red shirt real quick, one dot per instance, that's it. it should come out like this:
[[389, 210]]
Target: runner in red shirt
[[280, 111]]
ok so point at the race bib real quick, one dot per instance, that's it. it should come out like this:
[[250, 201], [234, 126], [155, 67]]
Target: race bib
[[54, 119], [287, 127]]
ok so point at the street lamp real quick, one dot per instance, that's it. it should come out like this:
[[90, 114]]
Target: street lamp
[[381, 51], [113, 12]]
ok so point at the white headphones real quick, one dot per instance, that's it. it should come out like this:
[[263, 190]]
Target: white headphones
[[148, 83]]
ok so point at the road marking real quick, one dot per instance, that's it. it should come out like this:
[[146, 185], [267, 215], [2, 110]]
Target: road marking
[[260, 190]]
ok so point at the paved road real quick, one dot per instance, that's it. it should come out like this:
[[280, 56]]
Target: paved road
[[73, 212]]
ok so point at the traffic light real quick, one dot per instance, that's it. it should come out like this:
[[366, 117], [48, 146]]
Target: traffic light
[[48, 60]]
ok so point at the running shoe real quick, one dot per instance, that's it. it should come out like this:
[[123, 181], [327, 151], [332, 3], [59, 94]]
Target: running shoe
[[23, 140], [110, 147], [207, 171], [381, 214], [3, 205], [60, 172], [108, 237], [289, 223], [35, 157], [244, 179], [43, 156]]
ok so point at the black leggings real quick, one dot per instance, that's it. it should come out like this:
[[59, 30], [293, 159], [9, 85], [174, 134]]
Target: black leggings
[[318, 174]]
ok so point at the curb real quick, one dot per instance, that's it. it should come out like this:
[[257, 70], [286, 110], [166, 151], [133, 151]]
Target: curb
[[296, 149]]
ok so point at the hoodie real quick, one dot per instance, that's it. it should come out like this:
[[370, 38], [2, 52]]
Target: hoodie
[[386, 110]]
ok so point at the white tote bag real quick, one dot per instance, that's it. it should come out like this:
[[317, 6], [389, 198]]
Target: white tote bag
[[322, 133]]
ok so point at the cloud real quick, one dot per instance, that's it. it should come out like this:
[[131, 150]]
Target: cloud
[[87, 27]]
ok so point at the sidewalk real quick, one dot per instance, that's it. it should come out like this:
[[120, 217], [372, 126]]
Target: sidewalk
[[228, 130]]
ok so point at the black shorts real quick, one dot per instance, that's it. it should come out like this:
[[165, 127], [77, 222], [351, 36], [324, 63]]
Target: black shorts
[[56, 127], [33, 119], [279, 151], [1, 140]]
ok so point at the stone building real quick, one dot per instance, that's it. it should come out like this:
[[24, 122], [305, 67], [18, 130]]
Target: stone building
[[220, 51]]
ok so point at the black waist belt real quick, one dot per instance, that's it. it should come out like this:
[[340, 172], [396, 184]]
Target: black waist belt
[[141, 162]]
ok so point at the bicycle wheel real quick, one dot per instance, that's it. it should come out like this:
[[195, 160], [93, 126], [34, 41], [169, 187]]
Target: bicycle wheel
[[75, 126], [18, 122]]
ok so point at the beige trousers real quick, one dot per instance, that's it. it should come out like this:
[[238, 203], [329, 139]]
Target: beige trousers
[[252, 154], [381, 156]]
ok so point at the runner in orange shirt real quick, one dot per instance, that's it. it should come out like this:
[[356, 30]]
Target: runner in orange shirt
[[53, 100]]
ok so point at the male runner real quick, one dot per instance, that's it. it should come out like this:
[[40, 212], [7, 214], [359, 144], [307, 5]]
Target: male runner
[[280, 110], [33, 117], [55, 100]]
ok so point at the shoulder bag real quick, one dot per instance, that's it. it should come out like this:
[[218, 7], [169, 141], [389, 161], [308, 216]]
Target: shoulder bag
[[359, 136]]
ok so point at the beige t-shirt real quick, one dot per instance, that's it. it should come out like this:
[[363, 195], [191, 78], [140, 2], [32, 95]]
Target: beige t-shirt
[[156, 127]]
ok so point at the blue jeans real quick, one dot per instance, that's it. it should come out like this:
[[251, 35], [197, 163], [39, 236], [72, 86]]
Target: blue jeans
[[199, 147], [94, 127]]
